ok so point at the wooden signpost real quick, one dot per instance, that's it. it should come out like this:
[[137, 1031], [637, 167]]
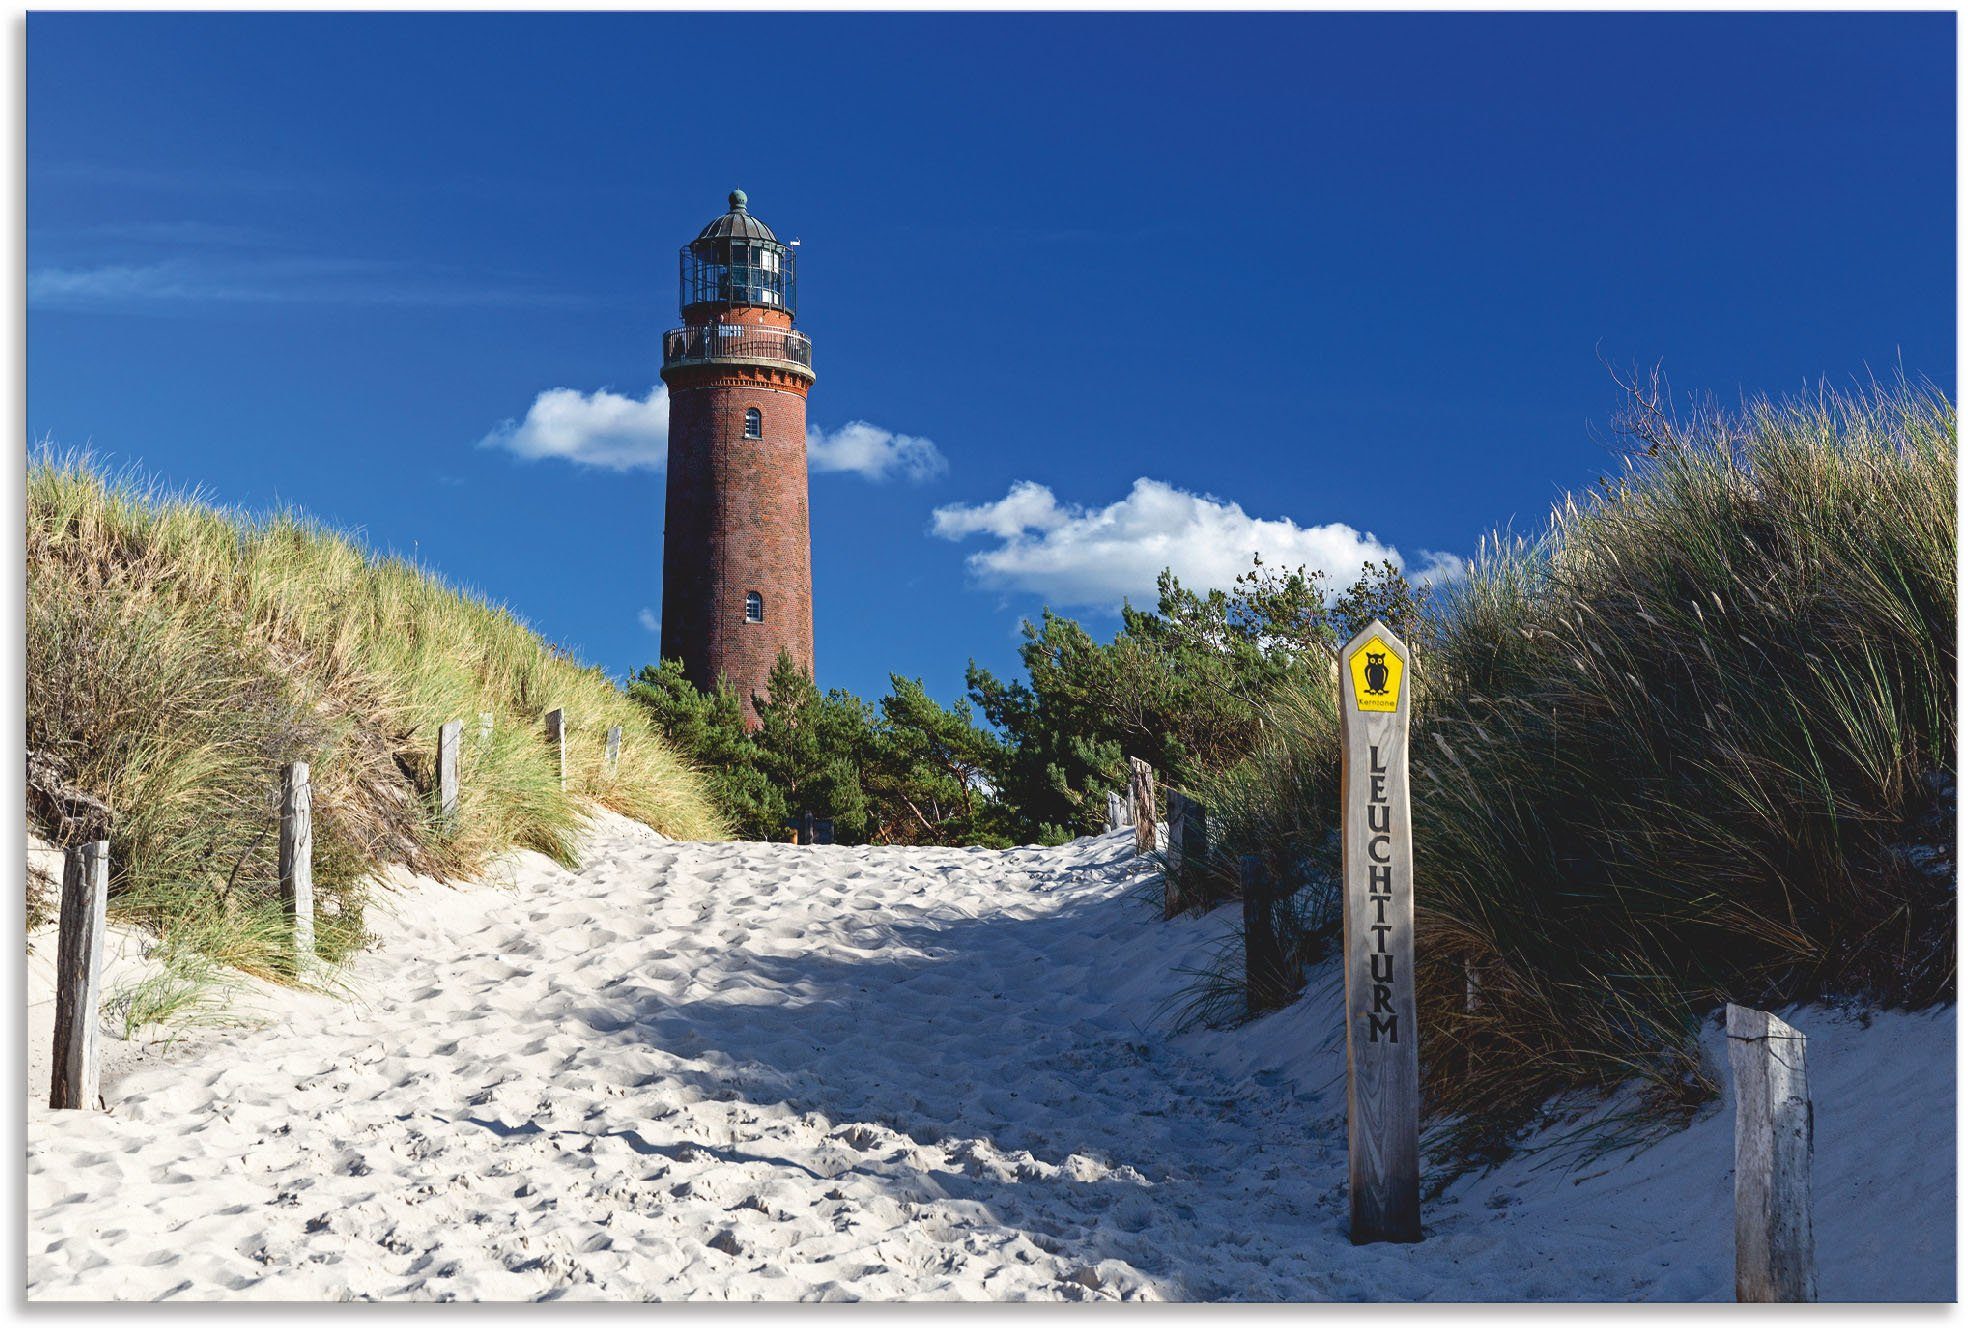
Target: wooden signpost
[[1383, 1074], [1776, 1252], [78, 977], [614, 747], [297, 854]]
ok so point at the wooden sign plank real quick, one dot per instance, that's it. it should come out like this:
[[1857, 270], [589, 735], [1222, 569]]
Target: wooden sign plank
[[447, 768], [297, 854], [77, 1079], [1776, 1251], [1383, 1069], [1141, 790]]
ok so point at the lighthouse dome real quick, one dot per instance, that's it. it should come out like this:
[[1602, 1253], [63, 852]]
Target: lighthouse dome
[[737, 224]]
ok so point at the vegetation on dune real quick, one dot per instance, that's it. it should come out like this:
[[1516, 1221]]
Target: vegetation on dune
[[1695, 743], [1030, 760], [178, 655]]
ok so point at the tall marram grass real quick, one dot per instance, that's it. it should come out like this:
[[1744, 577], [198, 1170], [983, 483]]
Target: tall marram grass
[[177, 655], [1694, 743]]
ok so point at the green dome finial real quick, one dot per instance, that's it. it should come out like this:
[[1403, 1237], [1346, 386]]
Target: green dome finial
[[737, 200]]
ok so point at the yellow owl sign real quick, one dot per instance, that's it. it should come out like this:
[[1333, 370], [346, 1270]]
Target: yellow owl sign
[[1376, 672]]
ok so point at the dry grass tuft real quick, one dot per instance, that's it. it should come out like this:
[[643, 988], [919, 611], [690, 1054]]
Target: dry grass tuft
[[177, 655], [1691, 745]]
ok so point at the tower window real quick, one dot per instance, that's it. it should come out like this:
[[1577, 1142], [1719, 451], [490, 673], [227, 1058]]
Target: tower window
[[754, 602], [754, 423]]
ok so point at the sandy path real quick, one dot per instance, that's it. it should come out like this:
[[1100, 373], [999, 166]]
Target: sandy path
[[743, 1071]]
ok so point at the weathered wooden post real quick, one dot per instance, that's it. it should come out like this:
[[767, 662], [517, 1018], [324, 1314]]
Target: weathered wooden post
[[557, 736], [614, 747], [1776, 1252], [806, 827], [1383, 1076], [1141, 789], [297, 854], [1188, 852], [77, 1079], [485, 726], [1266, 983], [1116, 812], [447, 768]]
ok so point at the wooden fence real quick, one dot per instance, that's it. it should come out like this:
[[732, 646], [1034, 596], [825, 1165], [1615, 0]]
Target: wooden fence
[[75, 1083]]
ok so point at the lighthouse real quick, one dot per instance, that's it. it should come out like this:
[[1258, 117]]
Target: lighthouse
[[737, 555]]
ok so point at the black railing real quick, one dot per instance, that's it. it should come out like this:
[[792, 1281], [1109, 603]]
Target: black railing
[[736, 341]]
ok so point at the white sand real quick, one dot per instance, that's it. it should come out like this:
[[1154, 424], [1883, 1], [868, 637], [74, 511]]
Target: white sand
[[757, 1071]]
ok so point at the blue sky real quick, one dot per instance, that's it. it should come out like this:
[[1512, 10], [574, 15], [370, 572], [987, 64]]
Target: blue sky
[[1103, 291]]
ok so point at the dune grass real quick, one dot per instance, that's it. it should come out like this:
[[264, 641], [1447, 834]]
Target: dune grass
[[1694, 743], [178, 655]]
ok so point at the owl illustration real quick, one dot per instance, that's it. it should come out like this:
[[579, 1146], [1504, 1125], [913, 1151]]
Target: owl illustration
[[1376, 673]]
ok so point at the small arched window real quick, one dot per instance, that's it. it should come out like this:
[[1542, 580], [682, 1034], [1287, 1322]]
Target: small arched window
[[754, 606], [754, 423]]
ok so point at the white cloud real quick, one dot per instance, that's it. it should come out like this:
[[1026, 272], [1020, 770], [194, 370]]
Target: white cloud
[[612, 432], [873, 452], [602, 429], [1094, 557], [648, 620]]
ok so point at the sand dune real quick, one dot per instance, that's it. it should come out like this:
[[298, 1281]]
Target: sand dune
[[741, 1071]]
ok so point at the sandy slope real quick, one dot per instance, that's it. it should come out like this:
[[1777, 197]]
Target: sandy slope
[[741, 1071]]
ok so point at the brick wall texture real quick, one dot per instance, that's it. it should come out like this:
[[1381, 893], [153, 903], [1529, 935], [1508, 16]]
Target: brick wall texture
[[735, 520]]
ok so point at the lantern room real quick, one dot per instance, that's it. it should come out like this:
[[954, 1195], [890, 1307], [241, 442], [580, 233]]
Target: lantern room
[[736, 262]]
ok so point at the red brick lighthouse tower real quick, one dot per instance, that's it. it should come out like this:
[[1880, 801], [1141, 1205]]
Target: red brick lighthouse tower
[[737, 559]]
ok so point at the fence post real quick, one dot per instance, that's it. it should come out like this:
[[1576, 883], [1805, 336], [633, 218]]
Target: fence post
[[1267, 985], [1141, 788], [806, 827], [77, 1079], [485, 726], [447, 768], [557, 735], [1383, 1073], [614, 747], [1776, 1252], [297, 854], [1116, 811], [1188, 851]]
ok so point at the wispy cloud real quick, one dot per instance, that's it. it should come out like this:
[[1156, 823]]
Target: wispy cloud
[[648, 620], [606, 430], [124, 286], [1094, 557]]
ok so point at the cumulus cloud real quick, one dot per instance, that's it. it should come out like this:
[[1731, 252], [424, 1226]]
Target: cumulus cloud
[[648, 620], [874, 453], [1094, 557], [610, 431], [602, 429]]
